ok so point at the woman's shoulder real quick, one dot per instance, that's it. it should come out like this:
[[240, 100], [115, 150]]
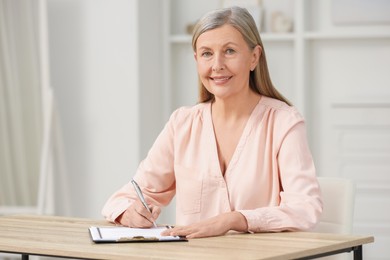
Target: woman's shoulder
[[280, 110], [189, 113]]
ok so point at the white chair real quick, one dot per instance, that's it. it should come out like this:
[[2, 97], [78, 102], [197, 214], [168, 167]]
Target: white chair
[[338, 196]]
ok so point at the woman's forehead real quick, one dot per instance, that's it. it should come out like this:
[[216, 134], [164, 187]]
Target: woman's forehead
[[221, 35]]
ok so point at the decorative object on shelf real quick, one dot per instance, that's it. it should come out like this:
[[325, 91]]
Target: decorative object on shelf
[[254, 7], [360, 12], [281, 23], [278, 16]]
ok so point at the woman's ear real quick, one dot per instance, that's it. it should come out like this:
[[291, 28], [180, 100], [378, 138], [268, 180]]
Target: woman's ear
[[257, 51], [196, 59]]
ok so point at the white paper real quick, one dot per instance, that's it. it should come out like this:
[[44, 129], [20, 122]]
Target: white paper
[[121, 233]]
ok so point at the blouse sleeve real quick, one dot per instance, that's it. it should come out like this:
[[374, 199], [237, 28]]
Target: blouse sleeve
[[154, 175], [300, 197]]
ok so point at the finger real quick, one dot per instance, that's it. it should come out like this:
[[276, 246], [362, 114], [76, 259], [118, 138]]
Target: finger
[[151, 213], [150, 216], [165, 233], [141, 210], [133, 218], [144, 215], [156, 211], [181, 231], [141, 222], [196, 234], [193, 231], [170, 231]]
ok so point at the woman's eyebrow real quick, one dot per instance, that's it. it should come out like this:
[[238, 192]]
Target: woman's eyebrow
[[224, 45]]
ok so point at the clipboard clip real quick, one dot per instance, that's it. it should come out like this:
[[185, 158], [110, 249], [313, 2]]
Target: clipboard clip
[[137, 238]]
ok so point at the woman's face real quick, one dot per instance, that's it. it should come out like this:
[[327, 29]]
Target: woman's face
[[224, 61]]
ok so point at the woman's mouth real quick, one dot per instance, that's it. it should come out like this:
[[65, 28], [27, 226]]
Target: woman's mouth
[[221, 80]]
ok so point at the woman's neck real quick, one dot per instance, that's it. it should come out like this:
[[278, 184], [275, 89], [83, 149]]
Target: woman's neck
[[234, 109]]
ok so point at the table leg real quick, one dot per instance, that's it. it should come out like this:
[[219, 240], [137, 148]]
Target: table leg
[[24, 257], [358, 253]]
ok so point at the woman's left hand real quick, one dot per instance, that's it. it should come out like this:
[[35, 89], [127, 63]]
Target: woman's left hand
[[215, 226]]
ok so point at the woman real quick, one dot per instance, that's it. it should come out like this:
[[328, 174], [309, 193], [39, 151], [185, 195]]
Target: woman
[[239, 159]]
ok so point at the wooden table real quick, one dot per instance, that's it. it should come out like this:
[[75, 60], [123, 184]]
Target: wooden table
[[69, 237]]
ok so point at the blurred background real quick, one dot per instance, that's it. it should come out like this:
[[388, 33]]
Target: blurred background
[[87, 85]]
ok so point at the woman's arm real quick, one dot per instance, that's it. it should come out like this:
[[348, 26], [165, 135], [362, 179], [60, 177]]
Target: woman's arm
[[300, 198]]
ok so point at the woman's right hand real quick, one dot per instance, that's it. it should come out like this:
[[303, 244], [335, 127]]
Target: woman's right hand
[[137, 216]]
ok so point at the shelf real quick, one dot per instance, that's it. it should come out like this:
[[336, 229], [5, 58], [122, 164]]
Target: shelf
[[361, 104], [180, 38], [186, 38], [277, 36], [346, 36]]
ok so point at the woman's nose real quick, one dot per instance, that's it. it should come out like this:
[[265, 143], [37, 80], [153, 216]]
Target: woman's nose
[[218, 63]]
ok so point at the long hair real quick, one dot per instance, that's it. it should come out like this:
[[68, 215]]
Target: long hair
[[259, 79]]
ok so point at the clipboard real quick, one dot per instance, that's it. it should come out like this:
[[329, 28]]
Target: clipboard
[[125, 234]]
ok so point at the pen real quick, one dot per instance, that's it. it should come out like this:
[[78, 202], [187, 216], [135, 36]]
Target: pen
[[141, 197]]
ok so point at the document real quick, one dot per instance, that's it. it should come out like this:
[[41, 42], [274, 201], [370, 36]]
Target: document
[[126, 234]]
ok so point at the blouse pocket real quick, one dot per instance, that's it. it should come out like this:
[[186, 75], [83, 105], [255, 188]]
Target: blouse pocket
[[188, 189]]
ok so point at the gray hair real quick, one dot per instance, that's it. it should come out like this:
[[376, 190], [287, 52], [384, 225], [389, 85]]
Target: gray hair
[[235, 16]]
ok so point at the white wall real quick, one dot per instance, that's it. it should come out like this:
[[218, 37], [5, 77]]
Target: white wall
[[150, 36], [151, 77], [94, 70]]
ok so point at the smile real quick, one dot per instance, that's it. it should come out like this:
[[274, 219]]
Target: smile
[[220, 80]]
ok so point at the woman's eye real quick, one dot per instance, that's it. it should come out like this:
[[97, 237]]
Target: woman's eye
[[230, 51], [206, 54]]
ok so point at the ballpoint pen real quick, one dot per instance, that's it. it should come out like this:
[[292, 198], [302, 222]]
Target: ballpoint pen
[[141, 197]]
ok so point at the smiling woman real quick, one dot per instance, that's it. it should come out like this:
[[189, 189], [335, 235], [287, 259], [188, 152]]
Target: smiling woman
[[238, 160]]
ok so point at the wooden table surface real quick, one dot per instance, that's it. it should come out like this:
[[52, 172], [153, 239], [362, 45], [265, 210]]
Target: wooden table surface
[[69, 237]]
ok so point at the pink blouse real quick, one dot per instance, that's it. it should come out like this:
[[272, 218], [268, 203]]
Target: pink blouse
[[270, 179]]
